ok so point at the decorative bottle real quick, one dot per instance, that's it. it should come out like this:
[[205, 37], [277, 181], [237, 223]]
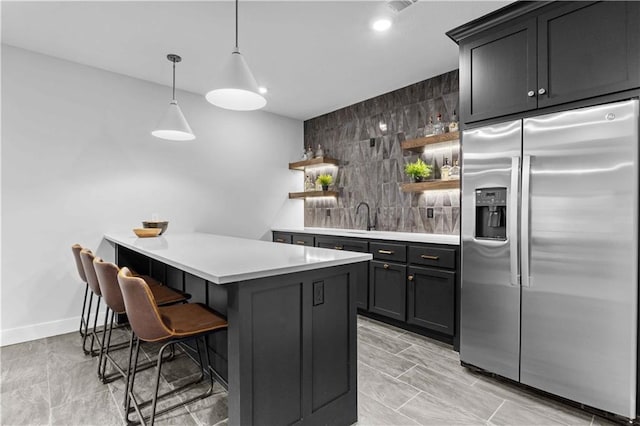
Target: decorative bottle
[[454, 173], [445, 169], [309, 153], [428, 130], [308, 184], [453, 125], [438, 128], [319, 151]]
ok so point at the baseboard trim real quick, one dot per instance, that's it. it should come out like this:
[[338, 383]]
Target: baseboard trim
[[28, 333]]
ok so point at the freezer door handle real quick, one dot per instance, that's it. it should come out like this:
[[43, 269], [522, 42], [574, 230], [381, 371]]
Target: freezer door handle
[[524, 226], [512, 213]]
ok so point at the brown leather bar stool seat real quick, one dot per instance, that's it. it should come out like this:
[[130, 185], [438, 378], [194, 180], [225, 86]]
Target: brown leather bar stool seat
[[76, 249], [168, 325], [107, 275]]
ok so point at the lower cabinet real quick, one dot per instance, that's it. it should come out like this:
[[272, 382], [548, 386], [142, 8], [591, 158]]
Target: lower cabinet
[[388, 289], [431, 299]]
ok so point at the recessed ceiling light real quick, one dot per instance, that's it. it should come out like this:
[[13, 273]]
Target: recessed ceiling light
[[262, 90], [382, 24]]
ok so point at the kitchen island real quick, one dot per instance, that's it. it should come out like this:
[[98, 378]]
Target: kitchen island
[[289, 354]]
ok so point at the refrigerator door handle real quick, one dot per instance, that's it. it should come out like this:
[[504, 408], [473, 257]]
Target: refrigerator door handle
[[524, 226], [512, 212]]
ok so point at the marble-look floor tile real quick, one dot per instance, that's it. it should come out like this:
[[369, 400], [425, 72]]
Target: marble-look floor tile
[[97, 409], [380, 340], [557, 411], [382, 360], [511, 413], [427, 410], [372, 413], [433, 345], [179, 367], [28, 405], [24, 371], [384, 388], [67, 348], [72, 382], [20, 350], [447, 389], [381, 327], [433, 361]]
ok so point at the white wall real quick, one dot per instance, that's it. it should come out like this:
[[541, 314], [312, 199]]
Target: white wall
[[78, 160]]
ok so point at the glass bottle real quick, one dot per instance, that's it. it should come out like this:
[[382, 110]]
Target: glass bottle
[[438, 128], [319, 151], [308, 184], [445, 169], [453, 125], [454, 173], [309, 153], [428, 130]]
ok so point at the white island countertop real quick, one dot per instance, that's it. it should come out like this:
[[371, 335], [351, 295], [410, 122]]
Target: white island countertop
[[377, 235], [222, 260]]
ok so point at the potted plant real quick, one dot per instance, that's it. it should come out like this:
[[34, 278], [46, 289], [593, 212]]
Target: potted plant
[[324, 181], [418, 171]]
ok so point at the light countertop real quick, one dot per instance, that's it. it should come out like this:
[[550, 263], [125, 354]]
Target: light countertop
[[222, 260], [378, 235]]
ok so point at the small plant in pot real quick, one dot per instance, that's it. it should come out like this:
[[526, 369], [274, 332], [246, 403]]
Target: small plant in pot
[[418, 171], [324, 181]]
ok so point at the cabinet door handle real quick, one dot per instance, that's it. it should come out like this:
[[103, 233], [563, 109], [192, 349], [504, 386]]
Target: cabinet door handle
[[541, 91], [300, 242], [338, 247], [385, 251], [410, 278], [426, 256], [531, 93], [279, 240], [385, 266]]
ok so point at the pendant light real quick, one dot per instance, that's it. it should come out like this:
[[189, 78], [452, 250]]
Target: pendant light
[[238, 89], [173, 126]]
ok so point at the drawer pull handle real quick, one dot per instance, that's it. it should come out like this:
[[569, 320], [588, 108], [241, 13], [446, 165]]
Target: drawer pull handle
[[338, 247], [300, 242], [385, 251], [426, 256], [410, 277], [385, 266], [279, 240]]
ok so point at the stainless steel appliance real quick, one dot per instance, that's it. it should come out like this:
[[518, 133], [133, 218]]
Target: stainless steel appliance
[[551, 301]]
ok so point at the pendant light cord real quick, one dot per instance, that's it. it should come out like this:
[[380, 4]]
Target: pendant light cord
[[236, 24], [174, 80]]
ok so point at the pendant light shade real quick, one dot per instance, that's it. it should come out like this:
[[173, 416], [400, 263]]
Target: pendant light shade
[[237, 88], [173, 126]]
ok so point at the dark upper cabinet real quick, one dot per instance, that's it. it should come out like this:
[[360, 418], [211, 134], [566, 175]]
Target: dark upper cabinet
[[431, 298], [497, 72], [388, 289], [562, 52]]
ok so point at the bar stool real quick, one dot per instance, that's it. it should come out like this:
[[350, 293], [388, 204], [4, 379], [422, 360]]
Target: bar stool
[[168, 325], [107, 274], [76, 249]]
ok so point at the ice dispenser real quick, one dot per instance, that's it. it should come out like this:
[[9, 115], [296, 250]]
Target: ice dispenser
[[491, 213]]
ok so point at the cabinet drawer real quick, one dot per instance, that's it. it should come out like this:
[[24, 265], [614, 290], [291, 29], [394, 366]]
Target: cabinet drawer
[[342, 244], [281, 237], [387, 251], [433, 256], [302, 239]]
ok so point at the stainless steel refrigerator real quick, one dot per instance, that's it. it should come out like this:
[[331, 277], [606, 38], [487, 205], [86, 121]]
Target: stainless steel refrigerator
[[550, 253]]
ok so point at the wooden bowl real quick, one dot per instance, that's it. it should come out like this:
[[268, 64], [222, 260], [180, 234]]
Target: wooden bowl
[[147, 232], [162, 224]]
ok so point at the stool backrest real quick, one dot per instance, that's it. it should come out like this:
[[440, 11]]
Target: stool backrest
[[87, 261], [140, 305], [107, 274], [76, 249]]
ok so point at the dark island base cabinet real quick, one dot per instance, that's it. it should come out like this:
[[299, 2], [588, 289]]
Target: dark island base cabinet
[[297, 367], [412, 286]]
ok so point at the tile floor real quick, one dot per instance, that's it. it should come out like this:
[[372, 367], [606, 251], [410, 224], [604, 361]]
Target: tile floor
[[403, 379]]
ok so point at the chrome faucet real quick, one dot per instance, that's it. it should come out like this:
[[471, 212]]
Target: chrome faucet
[[375, 219]]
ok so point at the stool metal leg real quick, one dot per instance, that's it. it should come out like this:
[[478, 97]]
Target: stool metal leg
[[94, 336], [86, 325], [84, 305]]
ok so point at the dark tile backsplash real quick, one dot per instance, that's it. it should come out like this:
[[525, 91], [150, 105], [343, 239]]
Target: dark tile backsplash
[[374, 174]]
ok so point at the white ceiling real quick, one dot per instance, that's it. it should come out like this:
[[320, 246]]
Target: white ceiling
[[313, 56]]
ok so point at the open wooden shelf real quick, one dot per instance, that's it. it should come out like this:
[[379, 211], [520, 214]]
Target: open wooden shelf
[[315, 162], [307, 194], [431, 185], [417, 145]]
